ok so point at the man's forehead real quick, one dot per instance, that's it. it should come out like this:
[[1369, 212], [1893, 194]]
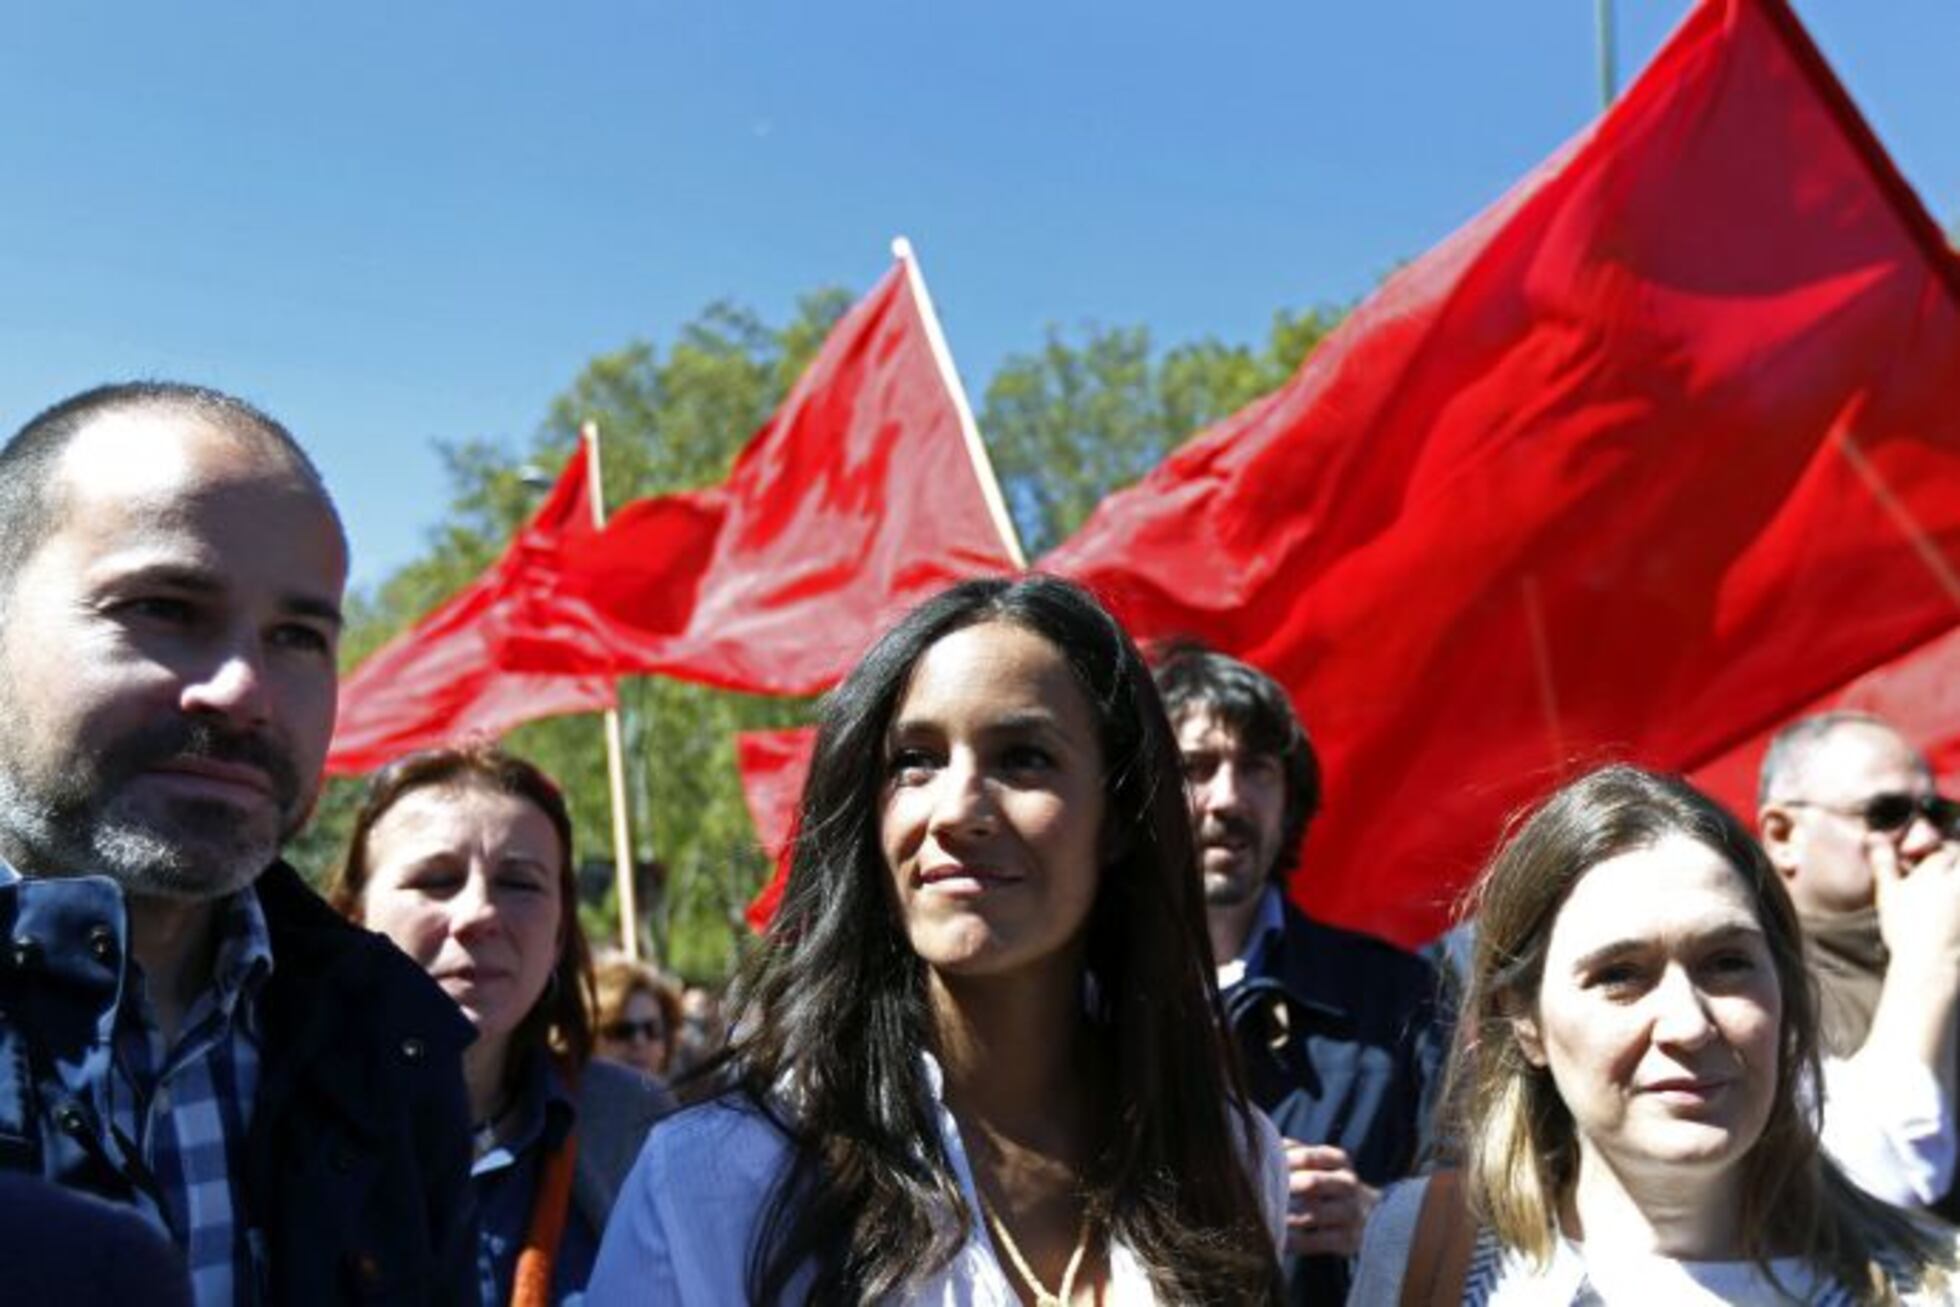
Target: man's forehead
[[1859, 759], [145, 451], [1200, 729], [151, 488]]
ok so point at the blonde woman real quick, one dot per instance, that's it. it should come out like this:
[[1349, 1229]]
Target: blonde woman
[[1627, 1088]]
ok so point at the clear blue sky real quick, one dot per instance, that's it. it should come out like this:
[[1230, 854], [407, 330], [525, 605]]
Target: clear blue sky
[[395, 223]]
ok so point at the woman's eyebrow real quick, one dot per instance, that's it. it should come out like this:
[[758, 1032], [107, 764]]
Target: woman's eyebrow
[[1621, 947]]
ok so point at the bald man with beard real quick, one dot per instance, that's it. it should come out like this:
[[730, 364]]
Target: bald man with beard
[[185, 1028]]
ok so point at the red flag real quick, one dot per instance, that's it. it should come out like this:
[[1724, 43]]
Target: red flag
[[773, 765], [1655, 451], [447, 677], [864, 494], [1918, 693]]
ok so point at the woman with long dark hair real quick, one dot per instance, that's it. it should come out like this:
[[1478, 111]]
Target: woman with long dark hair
[[977, 1056], [463, 857], [1628, 1089]]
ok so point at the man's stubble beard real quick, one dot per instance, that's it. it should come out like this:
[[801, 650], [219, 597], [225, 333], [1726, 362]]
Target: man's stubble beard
[[1223, 891], [75, 815]]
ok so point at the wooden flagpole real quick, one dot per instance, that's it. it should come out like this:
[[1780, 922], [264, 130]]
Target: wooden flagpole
[[983, 467], [629, 905]]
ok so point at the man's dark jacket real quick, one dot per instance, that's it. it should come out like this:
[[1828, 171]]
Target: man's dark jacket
[[1343, 1042], [356, 1165]]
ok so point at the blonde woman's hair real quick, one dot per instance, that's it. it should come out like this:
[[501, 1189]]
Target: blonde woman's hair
[[1517, 1141]]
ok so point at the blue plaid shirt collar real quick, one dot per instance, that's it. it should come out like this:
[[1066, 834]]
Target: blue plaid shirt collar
[[243, 959], [184, 1108]]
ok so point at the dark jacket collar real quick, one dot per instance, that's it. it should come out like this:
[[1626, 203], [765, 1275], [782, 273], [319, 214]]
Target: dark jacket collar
[[1303, 962], [336, 989]]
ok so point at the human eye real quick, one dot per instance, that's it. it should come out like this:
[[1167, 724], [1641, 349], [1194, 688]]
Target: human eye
[[1199, 766], [1027, 757], [1618, 976], [302, 637], [524, 877], [436, 880], [1731, 965], [1262, 767], [911, 765], [164, 610]]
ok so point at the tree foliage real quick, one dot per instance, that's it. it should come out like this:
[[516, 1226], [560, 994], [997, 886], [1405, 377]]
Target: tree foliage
[[1066, 426], [1071, 423]]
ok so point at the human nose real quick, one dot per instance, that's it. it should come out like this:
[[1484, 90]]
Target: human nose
[[1680, 1012], [1222, 791], [232, 685], [962, 803], [474, 909]]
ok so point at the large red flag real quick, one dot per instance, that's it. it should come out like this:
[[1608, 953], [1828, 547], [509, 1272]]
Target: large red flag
[[1655, 451], [865, 493], [449, 676], [1918, 693]]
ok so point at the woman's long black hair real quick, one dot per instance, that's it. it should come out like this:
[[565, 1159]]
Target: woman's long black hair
[[834, 1013]]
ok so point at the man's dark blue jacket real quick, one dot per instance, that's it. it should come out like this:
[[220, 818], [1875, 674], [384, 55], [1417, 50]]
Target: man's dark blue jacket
[[1342, 1042], [358, 1155]]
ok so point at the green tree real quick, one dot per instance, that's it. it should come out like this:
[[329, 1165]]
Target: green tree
[[1079, 419]]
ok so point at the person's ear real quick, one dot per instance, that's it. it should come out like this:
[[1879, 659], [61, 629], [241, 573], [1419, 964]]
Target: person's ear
[[1776, 827], [1524, 1028]]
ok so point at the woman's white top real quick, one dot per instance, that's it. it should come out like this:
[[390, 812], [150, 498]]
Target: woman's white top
[[1642, 1278], [686, 1219], [1578, 1276]]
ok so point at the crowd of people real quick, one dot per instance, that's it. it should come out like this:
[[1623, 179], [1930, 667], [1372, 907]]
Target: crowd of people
[[1038, 1020]]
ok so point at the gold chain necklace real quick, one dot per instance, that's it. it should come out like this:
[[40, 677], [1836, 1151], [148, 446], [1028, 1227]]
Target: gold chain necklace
[[1042, 1298]]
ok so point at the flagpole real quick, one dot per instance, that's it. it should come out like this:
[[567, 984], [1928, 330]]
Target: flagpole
[[1608, 64], [1916, 535], [983, 467], [629, 906]]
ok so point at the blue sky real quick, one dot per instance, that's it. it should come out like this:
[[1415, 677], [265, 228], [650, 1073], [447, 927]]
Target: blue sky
[[396, 223]]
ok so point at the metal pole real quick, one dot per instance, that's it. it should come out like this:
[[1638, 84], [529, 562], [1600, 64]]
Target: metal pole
[[629, 905], [1608, 63]]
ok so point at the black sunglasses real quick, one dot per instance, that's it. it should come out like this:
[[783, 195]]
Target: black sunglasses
[[623, 1031], [1890, 813]]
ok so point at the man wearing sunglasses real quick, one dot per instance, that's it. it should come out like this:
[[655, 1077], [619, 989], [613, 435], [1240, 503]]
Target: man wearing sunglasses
[[1849, 815]]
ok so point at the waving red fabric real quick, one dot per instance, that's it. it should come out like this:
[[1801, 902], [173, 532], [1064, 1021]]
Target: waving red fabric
[[447, 677], [1659, 449], [858, 499]]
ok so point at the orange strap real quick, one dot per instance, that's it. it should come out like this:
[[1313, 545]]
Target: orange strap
[[1439, 1255], [530, 1283]]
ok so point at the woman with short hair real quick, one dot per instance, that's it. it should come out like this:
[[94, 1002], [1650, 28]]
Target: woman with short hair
[[977, 1056], [639, 1015]]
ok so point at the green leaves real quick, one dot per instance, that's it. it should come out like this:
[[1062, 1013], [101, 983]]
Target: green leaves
[[1075, 421]]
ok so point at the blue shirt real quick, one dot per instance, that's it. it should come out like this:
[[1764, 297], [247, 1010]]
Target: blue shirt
[[506, 1177], [692, 1209]]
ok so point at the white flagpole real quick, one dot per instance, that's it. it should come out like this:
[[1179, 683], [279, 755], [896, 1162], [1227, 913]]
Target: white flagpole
[[983, 467], [629, 907]]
